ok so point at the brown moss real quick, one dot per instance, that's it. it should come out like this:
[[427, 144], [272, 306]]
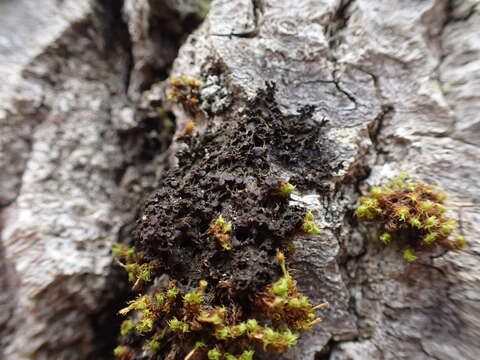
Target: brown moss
[[185, 90], [221, 229]]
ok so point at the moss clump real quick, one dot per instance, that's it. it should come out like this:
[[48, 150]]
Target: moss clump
[[221, 229], [282, 303], [126, 327], [309, 225], [123, 352], [185, 90], [411, 213], [191, 326], [138, 273], [409, 256], [285, 188]]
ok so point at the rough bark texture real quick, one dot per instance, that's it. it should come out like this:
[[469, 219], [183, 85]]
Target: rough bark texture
[[398, 82]]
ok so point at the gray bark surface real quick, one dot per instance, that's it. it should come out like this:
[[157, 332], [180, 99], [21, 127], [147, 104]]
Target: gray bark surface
[[399, 83]]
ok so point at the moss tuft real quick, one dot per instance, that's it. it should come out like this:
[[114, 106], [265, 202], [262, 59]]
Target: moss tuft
[[138, 273], [410, 213], [409, 256], [221, 229], [185, 90], [123, 352], [286, 189], [309, 225], [178, 320]]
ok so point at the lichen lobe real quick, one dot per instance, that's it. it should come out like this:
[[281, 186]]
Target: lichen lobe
[[227, 171]]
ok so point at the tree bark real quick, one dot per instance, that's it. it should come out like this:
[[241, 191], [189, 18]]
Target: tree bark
[[397, 83]]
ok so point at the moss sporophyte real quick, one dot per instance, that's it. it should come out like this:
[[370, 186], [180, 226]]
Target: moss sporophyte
[[188, 325], [412, 214]]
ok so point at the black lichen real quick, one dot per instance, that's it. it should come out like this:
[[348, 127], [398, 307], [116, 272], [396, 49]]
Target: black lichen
[[228, 172], [231, 171]]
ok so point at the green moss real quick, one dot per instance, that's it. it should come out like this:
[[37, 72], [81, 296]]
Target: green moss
[[246, 355], [426, 206], [200, 344], [190, 318], [385, 238], [122, 352], [145, 272], [411, 213], [286, 189], [309, 225], [138, 272], [402, 212], [214, 354], [178, 326], [415, 222], [448, 227], [252, 325], [193, 298], [460, 243], [221, 229], [153, 345], [126, 327], [145, 325], [141, 303], [225, 226], [430, 222], [239, 330], [280, 288], [409, 256], [172, 291], [430, 237], [123, 251], [369, 209], [160, 298], [222, 333]]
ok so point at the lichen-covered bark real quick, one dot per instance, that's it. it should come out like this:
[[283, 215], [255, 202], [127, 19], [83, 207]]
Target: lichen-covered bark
[[396, 82], [424, 312]]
